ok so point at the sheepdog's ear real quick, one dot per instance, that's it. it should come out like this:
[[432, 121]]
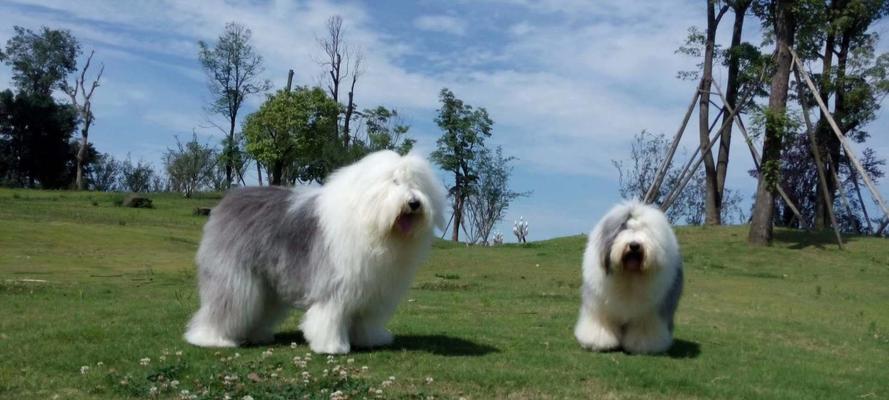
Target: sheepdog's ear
[[611, 226]]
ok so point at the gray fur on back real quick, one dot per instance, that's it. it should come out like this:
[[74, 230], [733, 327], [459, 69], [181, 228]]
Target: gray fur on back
[[258, 230]]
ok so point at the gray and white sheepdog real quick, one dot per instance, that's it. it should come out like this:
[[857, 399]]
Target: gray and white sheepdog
[[345, 252], [632, 280]]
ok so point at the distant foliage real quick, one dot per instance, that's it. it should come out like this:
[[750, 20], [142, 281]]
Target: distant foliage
[[490, 196], [139, 177], [647, 153], [190, 167], [41, 61], [104, 174]]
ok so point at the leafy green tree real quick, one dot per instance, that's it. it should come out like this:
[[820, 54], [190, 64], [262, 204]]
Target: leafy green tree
[[139, 177], [40, 61], [233, 69], [292, 133], [35, 147], [386, 131], [464, 131]]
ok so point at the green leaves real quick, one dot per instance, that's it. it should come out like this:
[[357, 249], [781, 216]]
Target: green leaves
[[291, 130]]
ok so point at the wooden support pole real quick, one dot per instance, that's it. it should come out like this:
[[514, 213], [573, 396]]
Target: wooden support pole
[[651, 194], [755, 155], [850, 152], [816, 153], [674, 194]]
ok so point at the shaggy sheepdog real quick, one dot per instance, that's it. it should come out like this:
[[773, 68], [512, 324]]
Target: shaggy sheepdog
[[345, 252], [632, 280]]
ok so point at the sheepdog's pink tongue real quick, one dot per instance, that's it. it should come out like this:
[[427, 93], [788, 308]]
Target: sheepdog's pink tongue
[[633, 262], [405, 223]]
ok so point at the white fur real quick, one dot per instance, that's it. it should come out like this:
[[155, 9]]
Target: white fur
[[361, 265], [632, 309]]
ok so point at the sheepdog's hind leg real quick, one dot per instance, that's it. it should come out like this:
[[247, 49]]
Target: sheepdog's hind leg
[[594, 332], [325, 327], [646, 335], [369, 328], [275, 311], [232, 301]]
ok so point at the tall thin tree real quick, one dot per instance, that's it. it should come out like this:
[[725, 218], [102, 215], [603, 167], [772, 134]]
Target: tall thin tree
[[712, 199], [782, 14], [233, 69], [82, 100], [342, 67]]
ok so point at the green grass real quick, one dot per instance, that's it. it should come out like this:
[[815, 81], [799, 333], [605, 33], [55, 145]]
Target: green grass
[[83, 281]]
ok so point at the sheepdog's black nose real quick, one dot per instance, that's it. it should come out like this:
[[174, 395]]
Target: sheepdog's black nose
[[635, 246], [414, 204]]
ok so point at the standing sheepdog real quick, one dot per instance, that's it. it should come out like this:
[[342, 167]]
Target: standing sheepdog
[[345, 252], [632, 280]]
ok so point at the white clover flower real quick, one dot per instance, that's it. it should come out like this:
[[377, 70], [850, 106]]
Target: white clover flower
[[100, 364], [152, 391], [237, 355], [247, 397], [179, 353], [364, 367], [174, 383], [429, 379], [84, 370], [145, 361], [350, 361], [162, 358], [293, 345]]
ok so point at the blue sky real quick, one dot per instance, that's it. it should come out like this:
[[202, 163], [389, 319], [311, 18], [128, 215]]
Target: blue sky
[[568, 83]]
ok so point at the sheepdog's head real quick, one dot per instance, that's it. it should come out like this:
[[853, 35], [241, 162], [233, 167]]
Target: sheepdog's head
[[389, 195], [635, 238]]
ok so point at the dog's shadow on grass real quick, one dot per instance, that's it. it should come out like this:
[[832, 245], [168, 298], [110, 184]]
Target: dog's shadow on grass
[[683, 349], [441, 345]]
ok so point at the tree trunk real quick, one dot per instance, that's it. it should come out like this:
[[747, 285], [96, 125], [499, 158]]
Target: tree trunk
[[259, 173], [825, 135], [458, 211], [276, 173], [764, 208], [229, 150], [712, 201], [731, 94], [350, 108], [81, 156]]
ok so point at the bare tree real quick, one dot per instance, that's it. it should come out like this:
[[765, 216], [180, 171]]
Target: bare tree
[[81, 100], [234, 70], [343, 67], [491, 195]]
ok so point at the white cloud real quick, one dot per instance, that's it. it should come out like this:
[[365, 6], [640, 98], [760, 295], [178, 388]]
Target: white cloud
[[441, 23]]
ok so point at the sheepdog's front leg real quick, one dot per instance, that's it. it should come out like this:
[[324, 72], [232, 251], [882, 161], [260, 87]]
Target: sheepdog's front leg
[[326, 328], [649, 334]]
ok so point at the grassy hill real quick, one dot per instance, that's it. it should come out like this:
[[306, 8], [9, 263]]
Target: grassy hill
[[84, 283]]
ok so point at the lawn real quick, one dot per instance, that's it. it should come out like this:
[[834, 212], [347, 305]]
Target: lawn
[[94, 297]]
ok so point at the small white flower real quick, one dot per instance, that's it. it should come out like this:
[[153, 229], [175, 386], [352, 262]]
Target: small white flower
[[247, 397], [237, 355], [429, 379], [84, 369], [364, 367], [162, 358], [350, 361], [100, 364], [174, 383], [152, 391], [179, 353], [292, 345], [145, 361]]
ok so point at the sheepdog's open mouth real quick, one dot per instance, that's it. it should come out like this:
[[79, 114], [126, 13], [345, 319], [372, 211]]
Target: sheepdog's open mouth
[[407, 222], [632, 260]]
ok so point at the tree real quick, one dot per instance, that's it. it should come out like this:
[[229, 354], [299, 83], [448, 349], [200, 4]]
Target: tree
[[491, 195], [734, 57], [104, 174], [233, 70], [386, 131], [712, 195], [343, 66], [464, 131], [139, 177], [35, 134], [39, 62], [291, 132], [84, 108], [190, 167], [647, 153], [782, 15]]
